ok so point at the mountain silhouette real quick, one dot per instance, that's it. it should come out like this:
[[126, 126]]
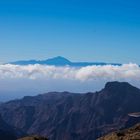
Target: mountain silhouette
[[59, 61]]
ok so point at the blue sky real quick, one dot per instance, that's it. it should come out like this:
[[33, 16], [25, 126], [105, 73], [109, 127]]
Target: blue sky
[[80, 30]]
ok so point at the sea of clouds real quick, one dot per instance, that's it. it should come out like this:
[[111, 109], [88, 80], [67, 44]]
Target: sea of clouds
[[125, 72], [37, 78]]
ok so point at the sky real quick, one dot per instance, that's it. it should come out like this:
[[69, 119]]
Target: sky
[[80, 30]]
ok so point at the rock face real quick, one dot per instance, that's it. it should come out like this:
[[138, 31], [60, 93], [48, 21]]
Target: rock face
[[128, 134], [67, 116], [33, 138]]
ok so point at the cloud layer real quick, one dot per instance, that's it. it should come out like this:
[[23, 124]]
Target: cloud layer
[[125, 72]]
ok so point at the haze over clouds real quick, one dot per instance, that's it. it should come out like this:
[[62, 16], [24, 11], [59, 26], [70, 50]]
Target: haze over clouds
[[35, 79]]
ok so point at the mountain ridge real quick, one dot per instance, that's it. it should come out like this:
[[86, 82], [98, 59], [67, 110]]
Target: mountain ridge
[[59, 61]]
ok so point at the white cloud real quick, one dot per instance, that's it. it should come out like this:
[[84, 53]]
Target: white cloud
[[89, 73]]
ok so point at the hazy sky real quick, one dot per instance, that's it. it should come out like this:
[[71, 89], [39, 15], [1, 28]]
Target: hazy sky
[[80, 30]]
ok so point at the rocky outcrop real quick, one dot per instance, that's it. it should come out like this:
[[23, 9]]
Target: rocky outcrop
[[33, 138], [128, 134]]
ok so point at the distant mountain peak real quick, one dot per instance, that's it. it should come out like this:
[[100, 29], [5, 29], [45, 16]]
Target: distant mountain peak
[[60, 59]]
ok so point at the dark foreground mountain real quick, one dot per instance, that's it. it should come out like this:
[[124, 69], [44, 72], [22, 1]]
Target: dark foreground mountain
[[58, 61], [132, 133], [68, 116]]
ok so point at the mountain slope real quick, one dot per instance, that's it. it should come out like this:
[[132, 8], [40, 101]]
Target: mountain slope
[[132, 133], [58, 61], [68, 116], [6, 132]]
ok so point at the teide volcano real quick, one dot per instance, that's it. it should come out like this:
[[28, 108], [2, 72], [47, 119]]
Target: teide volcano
[[69, 116], [60, 61]]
